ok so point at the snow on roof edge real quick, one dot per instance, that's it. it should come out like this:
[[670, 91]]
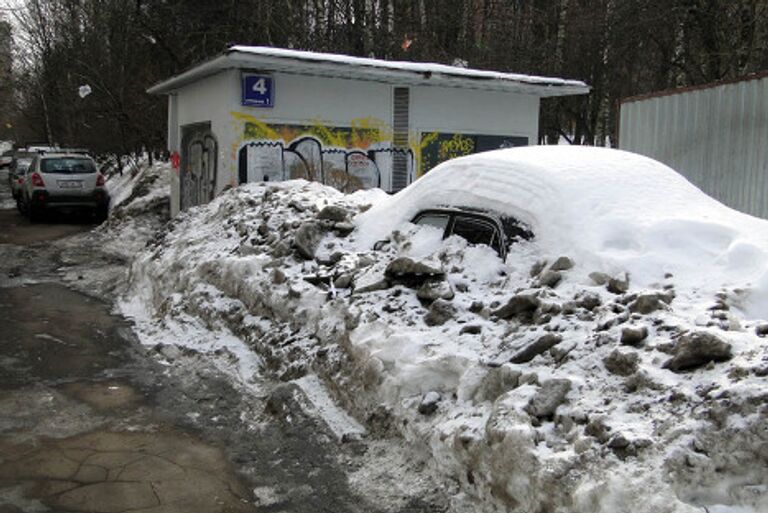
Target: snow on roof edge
[[545, 86], [418, 67]]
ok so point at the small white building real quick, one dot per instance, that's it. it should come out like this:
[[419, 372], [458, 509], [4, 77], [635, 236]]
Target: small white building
[[716, 135], [259, 113]]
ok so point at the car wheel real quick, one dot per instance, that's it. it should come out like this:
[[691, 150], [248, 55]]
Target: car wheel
[[23, 205]]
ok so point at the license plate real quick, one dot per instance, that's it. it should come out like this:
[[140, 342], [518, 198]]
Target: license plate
[[70, 184]]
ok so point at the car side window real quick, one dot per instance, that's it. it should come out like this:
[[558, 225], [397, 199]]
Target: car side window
[[22, 166], [476, 231], [31, 167], [439, 221]]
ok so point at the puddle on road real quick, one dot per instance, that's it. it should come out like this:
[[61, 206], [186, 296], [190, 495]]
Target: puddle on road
[[107, 471], [104, 396]]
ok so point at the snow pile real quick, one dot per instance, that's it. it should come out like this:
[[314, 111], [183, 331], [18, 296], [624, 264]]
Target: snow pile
[[95, 261], [139, 206], [140, 188], [614, 363]]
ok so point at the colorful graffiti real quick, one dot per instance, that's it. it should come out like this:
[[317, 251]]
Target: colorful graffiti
[[348, 158], [358, 156], [437, 147]]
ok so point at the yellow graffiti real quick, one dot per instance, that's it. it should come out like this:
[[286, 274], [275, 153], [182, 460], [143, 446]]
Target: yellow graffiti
[[426, 140], [418, 146], [362, 133], [258, 128], [327, 135], [369, 131], [437, 147], [456, 146]]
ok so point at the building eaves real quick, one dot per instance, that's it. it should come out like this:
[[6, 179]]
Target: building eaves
[[267, 59]]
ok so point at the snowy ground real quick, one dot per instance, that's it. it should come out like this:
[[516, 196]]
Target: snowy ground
[[537, 384]]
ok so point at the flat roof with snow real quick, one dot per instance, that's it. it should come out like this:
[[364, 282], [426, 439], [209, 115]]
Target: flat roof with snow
[[268, 59]]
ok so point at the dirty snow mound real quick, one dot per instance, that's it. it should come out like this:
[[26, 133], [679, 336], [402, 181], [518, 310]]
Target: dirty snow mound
[[140, 205], [95, 262], [584, 374]]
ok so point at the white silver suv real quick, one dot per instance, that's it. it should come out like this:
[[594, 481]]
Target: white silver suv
[[63, 181]]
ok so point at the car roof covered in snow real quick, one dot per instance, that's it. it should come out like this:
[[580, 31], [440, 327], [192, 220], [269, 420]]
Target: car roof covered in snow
[[594, 204], [269, 59]]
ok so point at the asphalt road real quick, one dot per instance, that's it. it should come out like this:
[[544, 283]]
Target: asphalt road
[[92, 421]]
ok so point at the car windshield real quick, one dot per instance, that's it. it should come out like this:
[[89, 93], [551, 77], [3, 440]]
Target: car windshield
[[439, 221], [22, 165], [67, 166]]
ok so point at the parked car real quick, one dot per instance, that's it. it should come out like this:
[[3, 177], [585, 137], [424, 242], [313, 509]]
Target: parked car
[[63, 181], [18, 168], [5, 159]]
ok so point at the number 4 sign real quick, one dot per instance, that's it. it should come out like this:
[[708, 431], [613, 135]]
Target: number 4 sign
[[258, 91]]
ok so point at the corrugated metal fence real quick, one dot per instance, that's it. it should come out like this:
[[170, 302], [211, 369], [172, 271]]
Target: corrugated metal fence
[[716, 136]]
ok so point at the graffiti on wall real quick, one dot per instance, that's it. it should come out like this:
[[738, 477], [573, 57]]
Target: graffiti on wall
[[198, 165], [437, 147], [348, 158], [358, 156]]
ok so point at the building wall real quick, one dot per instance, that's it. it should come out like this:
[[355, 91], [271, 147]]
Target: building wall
[[346, 125], [317, 121], [329, 108], [716, 137], [206, 100], [437, 109], [451, 122]]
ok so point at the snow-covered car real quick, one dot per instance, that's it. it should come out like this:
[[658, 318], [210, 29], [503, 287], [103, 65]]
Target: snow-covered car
[[63, 181], [609, 209]]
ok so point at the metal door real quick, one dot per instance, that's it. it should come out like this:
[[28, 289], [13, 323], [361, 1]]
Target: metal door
[[198, 164]]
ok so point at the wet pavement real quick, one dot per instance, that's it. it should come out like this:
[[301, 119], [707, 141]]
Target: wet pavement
[[121, 471], [52, 333], [18, 229], [92, 421], [81, 430]]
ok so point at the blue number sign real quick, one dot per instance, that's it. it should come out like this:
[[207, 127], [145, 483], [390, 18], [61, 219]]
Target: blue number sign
[[258, 91]]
